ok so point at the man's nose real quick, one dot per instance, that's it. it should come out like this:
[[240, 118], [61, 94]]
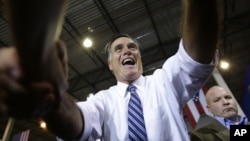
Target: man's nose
[[225, 101], [127, 51]]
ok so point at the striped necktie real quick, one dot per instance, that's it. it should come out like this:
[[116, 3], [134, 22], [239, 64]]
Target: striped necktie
[[136, 126]]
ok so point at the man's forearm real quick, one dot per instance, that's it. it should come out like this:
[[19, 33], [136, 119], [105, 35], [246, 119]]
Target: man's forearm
[[200, 29], [66, 122]]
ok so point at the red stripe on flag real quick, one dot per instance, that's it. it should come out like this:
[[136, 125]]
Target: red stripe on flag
[[196, 107], [204, 89], [199, 107], [189, 114]]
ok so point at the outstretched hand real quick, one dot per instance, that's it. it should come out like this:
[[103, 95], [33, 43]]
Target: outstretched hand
[[22, 99]]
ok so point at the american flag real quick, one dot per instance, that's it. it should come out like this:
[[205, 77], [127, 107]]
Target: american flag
[[196, 107], [23, 136]]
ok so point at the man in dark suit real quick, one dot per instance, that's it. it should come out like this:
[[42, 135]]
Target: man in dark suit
[[224, 109]]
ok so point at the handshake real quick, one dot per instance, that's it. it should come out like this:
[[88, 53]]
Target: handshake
[[23, 96]]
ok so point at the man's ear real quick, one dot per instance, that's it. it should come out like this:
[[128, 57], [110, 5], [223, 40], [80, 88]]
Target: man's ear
[[208, 108], [110, 66], [63, 56]]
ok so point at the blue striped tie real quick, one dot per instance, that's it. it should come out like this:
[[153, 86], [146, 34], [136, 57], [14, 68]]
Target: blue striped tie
[[136, 127]]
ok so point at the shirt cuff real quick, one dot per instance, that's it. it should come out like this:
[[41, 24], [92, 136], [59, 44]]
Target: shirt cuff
[[192, 66], [86, 119]]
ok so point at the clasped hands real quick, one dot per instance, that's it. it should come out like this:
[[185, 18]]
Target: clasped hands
[[30, 99]]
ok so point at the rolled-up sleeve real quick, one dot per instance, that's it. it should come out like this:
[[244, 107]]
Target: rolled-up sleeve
[[186, 75]]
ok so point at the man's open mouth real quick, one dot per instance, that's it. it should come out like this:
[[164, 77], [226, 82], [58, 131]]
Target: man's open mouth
[[128, 61]]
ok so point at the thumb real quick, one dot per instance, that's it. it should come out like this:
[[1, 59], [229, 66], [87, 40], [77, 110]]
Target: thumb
[[62, 55]]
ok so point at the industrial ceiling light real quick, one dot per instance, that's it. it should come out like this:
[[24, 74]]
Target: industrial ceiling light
[[43, 124], [87, 43], [224, 64]]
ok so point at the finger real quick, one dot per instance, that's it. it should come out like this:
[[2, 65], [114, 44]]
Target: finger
[[62, 55], [9, 85], [33, 103], [11, 95]]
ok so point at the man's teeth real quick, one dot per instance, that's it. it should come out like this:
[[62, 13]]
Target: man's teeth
[[128, 61]]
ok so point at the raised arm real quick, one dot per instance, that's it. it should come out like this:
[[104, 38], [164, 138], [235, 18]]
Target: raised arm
[[200, 29]]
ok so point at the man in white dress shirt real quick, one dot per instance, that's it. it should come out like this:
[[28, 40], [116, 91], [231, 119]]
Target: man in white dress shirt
[[163, 94]]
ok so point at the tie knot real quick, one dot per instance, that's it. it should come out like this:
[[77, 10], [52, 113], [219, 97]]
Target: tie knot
[[131, 88]]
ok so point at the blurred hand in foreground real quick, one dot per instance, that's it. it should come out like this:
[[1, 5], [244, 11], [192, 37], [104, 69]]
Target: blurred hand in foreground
[[21, 99]]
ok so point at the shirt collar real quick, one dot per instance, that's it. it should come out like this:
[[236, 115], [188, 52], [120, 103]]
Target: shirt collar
[[122, 87], [226, 122]]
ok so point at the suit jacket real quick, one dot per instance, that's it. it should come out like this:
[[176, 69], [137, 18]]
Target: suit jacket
[[213, 131]]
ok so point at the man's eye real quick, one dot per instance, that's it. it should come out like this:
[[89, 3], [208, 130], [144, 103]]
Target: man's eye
[[216, 100], [118, 48], [132, 46]]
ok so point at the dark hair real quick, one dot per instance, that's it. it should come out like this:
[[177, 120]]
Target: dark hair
[[113, 38]]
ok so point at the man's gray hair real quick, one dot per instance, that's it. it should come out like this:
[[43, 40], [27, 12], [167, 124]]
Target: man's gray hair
[[113, 38]]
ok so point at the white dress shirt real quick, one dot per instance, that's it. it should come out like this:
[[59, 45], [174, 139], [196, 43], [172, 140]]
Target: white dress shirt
[[163, 95]]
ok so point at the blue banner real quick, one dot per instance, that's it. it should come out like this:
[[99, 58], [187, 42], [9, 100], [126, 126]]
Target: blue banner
[[245, 103]]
